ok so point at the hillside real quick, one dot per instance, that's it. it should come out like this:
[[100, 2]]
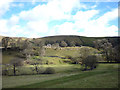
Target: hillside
[[78, 40]]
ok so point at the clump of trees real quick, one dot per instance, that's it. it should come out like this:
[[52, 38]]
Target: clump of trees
[[116, 53], [38, 47], [87, 57], [5, 42], [110, 52]]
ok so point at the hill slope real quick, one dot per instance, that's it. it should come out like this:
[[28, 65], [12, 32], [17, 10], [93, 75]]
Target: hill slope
[[78, 40]]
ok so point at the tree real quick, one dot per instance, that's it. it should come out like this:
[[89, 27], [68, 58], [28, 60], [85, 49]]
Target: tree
[[90, 61], [13, 43], [116, 53], [72, 44], [36, 67], [19, 43], [83, 54], [28, 51], [38, 43], [106, 48], [63, 44], [5, 42], [16, 62], [55, 46], [42, 51], [85, 51], [25, 44], [76, 60]]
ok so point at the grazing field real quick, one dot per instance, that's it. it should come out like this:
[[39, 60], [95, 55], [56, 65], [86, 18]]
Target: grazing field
[[67, 76], [57, 56]]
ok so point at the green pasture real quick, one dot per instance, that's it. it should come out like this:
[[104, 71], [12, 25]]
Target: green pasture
[[67, 76], [57, 56]]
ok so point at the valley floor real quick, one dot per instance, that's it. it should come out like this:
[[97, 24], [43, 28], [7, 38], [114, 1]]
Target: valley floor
[[69, 76]]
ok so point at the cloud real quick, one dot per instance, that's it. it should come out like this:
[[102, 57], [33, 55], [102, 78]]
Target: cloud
[[85, 15], [67, 28], [94, 6], [3, 26], [17, 5], [109, 16], [53, 10], [81, 21], [9, 27], [84, 23], [4, 6], [37, 26], [100, 27], [39, 17], [13, 20]]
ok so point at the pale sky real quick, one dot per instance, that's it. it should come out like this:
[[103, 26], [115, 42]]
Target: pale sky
[[58, 17]]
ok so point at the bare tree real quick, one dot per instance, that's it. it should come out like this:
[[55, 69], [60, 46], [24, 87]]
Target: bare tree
[[16, 62]]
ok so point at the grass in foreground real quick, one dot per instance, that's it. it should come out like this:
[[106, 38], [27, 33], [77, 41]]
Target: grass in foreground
[[105, 76]]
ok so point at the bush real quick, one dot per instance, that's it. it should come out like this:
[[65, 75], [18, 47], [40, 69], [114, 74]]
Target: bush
[[68, 57], [8, 72], [4, 72], [41, 70], [90, 61], [26, 71], [76, 60], [49, 70]]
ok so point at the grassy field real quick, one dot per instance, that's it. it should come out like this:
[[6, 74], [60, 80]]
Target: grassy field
[[7, 56], [50, 54], [67, 76]]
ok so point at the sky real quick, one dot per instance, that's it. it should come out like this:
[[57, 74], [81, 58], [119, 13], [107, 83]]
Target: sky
[[58, 17]]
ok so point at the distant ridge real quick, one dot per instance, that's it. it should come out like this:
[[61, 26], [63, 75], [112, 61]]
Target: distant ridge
[[79, 40]]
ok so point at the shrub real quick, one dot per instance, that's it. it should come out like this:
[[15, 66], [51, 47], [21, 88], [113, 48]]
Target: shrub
[[90, 61], [25, 71], [49, 70], [8, 72], [4, 72], [76, 60], [68, 57], [41, 70]]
